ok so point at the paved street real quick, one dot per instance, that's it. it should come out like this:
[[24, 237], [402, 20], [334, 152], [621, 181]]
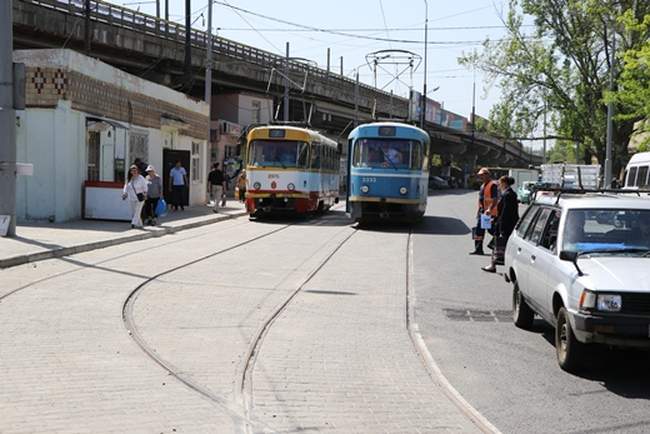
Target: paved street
[[290, 326]]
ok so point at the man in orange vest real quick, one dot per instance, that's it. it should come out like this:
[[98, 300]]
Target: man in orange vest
[[488, 197]]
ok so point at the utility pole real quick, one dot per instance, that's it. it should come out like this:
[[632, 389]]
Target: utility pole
[[610, 115], [423, 114], [87, 29], [208, 58], [166, 10], [285, 102], [544, 132], [473, 103], [342, 65], [188, 45], [7, 119], [328, 62], [356, 99], [158, 9], [208, 75]]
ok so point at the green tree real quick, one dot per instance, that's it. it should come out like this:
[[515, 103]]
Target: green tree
[[633, 93], [562, 68]]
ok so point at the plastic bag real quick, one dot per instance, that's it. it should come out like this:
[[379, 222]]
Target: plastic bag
[[486, 221], [161, 208]]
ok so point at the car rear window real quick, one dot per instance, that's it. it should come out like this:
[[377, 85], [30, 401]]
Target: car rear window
[[642, 177], [631, 177]]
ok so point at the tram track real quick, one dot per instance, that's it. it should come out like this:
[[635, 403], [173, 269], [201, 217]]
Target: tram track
[[234, 408], [246, 379]]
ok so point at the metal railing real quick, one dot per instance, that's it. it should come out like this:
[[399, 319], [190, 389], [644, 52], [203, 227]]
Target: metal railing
[[122, 17]]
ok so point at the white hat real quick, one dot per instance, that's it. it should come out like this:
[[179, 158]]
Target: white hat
[[150, 168]]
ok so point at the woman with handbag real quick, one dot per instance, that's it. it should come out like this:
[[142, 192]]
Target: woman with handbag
[[508, 216], [135, 191]]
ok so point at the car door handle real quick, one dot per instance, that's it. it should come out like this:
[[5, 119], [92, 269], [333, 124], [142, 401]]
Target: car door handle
[[518, 249], [532, 258]]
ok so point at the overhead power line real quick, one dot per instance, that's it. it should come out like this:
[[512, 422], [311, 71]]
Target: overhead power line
[[334, 32], [365, 29]]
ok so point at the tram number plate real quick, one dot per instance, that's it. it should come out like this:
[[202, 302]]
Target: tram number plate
[[368, 180], [274, 176]]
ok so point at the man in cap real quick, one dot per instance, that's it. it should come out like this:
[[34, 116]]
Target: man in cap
[[488, 197]]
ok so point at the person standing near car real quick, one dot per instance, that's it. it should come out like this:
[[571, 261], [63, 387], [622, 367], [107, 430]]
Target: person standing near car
[[508, 216], [487, 205], [177, 185], [154, 193], [135, 191], [217, 187]]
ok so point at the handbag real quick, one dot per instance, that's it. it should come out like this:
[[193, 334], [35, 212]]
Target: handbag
[[486, 221], [140, 196], [161, 208]]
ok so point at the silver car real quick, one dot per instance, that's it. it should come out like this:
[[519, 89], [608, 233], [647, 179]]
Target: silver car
[[582, 263]]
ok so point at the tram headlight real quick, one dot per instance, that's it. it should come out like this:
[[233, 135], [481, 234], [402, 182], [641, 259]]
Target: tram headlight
[[365, 189], [403, 190], [257, 186], [291, 187]]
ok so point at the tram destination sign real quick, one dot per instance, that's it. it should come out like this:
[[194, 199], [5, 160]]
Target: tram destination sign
[[277, 133]]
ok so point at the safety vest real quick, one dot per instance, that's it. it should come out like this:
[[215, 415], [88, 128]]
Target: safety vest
[[488, 201]]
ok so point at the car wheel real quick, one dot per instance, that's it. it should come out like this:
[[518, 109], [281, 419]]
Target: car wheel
[[522, 314], [568, 349]]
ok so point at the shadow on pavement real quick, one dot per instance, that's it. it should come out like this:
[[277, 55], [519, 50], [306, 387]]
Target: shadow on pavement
[[621, 371], [435, 225], [329, 218]]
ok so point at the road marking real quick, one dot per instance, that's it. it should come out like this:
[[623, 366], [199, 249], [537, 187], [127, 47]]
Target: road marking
[[430, 363]]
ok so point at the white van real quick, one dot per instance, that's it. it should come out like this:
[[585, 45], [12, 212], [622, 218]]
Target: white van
[[637, 171]]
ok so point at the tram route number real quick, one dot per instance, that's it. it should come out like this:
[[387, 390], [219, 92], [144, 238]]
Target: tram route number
[[369, 180], [274, 176]]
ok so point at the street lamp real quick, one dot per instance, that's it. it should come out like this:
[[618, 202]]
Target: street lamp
[[423, 113]]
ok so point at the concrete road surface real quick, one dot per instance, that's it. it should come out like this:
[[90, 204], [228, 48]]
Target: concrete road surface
[[293, 326]]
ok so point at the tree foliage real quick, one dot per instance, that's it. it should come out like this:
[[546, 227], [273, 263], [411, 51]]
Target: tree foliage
[[562, 67]]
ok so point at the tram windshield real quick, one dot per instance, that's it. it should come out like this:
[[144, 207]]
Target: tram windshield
[[399, 154], [278, 153]]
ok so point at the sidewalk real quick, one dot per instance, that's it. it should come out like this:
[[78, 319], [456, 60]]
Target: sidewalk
[[41, 240]]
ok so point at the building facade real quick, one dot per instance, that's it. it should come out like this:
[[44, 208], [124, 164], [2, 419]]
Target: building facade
[[85, 122]]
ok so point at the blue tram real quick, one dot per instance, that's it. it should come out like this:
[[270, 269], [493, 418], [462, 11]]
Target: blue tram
[[388, 172]]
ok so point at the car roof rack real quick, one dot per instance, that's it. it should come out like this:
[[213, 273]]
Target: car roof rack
[[560, 191]]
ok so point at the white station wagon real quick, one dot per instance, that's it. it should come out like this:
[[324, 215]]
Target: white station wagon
[[582, 263]]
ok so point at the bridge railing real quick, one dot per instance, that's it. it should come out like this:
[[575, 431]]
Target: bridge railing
[[120, 16]]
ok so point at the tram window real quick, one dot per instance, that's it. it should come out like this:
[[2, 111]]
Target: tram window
[[303, 155], [279, 153], [416, 155], [397, 153], [315, 156]]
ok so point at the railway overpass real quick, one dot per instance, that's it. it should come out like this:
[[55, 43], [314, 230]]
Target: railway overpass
[[155, 49]]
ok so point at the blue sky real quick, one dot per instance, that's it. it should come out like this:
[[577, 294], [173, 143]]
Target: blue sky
[[450, 25]]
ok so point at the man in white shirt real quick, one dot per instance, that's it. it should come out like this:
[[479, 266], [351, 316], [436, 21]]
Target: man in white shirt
[[177, 185]]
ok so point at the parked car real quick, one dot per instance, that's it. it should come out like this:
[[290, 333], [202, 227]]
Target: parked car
[[525, 191], [582, 263]]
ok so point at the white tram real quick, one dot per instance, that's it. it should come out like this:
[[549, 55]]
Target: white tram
[[290, 169]]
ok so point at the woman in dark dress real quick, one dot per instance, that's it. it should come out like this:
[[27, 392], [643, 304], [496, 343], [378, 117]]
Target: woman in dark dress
[[508, 216]]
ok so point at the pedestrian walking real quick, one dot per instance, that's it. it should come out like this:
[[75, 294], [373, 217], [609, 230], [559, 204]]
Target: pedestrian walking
[[154, 194], [177, 186], [135, 191], [217, 187], [508, 216], [487, 206], [241, 185]]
